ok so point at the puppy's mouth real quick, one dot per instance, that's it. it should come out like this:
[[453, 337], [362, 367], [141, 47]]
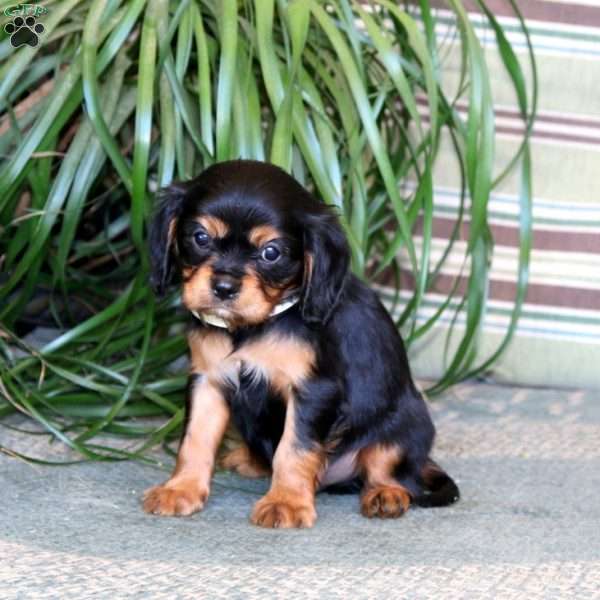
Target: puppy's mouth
[[222, 311], [239, 316], [234, 312]]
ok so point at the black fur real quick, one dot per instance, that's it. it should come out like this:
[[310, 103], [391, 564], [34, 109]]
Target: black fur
[[329, 260], [170, 205], [257, 412], [362, 392]]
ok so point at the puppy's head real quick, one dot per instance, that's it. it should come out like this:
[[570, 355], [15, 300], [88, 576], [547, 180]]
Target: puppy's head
[[244, 236]]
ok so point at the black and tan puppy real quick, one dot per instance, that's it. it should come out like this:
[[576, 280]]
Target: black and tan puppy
[[292, 349]]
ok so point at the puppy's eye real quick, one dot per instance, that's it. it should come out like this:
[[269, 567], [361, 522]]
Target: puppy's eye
[[201, 238], [270, 254]]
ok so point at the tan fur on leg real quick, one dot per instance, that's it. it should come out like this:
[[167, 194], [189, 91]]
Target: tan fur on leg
[[188, 488], [291, 500], [383, 496], [243, 462]]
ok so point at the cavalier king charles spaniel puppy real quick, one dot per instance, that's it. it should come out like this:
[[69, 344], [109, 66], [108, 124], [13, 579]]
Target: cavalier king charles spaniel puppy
[[289, 348]]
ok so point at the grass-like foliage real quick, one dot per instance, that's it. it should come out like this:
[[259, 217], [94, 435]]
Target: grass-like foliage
[[120, 97]]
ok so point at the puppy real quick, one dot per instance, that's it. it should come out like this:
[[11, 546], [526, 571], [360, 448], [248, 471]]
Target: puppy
[[292, 349]]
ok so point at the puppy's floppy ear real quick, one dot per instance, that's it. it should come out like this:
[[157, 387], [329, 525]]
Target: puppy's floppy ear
[[326, 265], [161, 235]]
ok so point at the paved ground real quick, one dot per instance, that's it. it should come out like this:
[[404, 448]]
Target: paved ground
[[528, 526]]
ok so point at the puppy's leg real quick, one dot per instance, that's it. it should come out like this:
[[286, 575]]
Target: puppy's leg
[[188, 488], [291, 500], [382, 495], [242, 461]]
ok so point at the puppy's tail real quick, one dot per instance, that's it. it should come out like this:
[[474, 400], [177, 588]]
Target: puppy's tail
[[439, 489]]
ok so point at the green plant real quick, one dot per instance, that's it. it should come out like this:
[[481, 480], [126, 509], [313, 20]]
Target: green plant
[[124, 96]]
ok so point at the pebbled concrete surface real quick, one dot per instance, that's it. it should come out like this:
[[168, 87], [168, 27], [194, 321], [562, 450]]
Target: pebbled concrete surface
[[528, 525]]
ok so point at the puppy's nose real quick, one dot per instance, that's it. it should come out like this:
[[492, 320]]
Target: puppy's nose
[[225, 288]]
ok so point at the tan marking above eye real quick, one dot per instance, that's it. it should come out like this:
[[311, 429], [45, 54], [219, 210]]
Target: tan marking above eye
[[261, 234], [214, 226]]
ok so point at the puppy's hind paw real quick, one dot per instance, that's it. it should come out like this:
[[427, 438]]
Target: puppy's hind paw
[[385, 502], [244, 463]]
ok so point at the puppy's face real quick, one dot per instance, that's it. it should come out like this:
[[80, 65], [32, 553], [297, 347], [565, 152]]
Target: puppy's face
[[244, 236], [237, 261]]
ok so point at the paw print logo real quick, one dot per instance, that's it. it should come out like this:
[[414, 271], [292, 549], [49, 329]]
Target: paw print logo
[[24, 31]]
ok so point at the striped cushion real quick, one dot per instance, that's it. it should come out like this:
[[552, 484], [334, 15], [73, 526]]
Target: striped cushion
[[558, 338]]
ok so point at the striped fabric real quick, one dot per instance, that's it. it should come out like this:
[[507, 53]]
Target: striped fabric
[[558, 338]]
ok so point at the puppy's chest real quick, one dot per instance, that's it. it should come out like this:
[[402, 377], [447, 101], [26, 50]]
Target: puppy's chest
[[282, 361]]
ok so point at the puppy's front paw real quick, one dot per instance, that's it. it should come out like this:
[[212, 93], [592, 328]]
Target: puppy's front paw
[[385, 502], [283, 511], [180, 499]]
